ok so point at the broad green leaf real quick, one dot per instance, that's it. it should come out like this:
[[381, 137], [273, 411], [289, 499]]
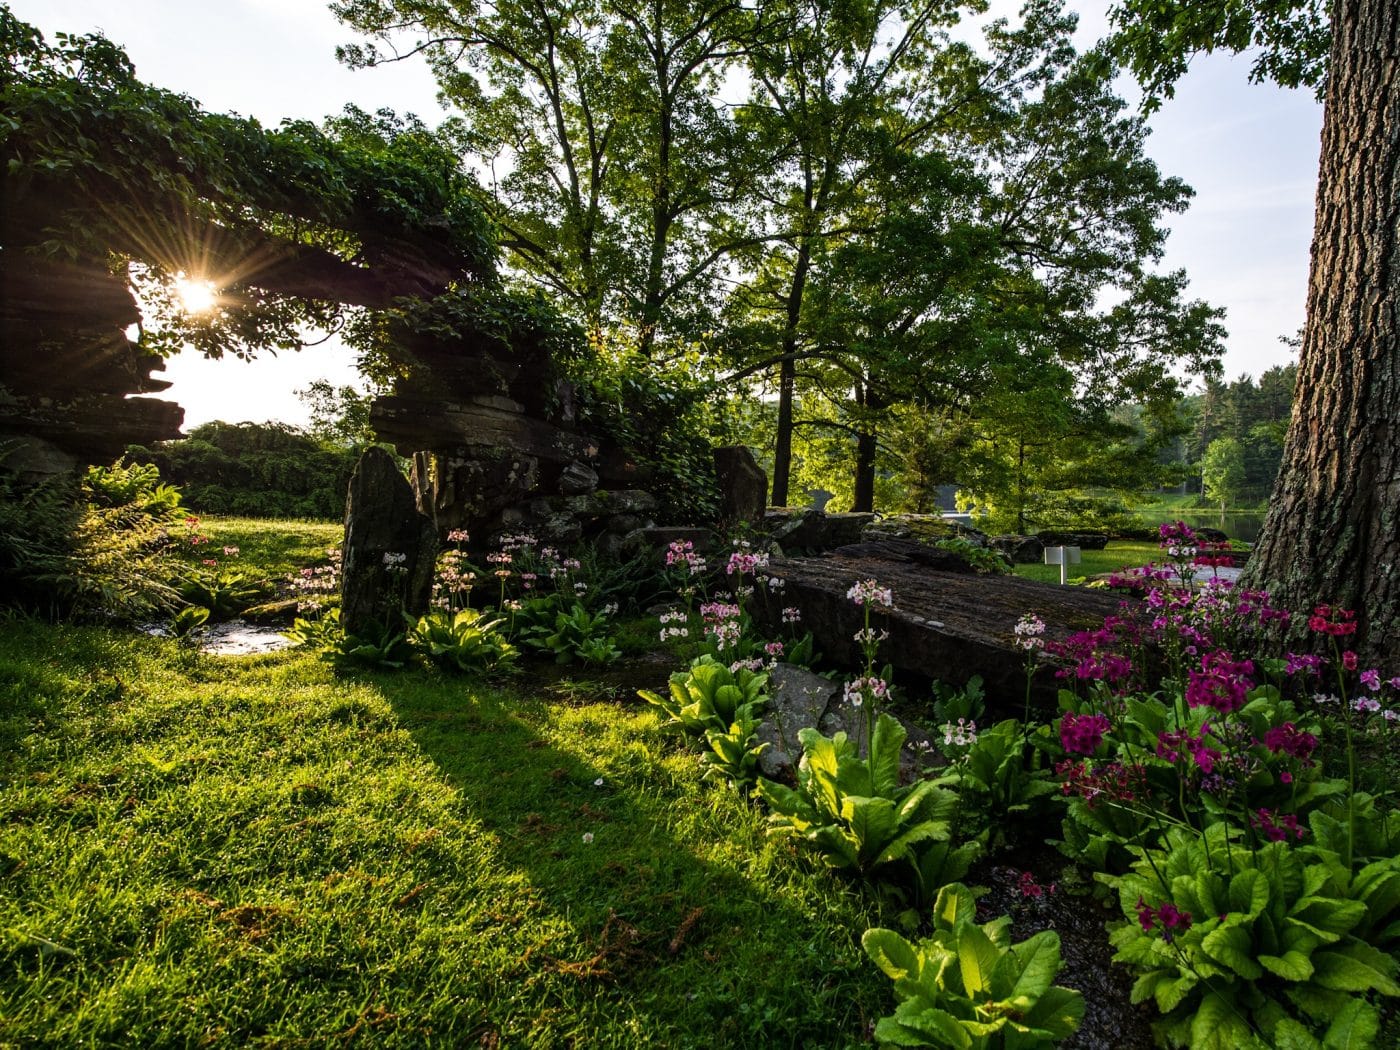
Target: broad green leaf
[[1173, 990], [955, 905], [1230, 946], [891, 953], [1291, 966], [977, 958], [873, 825], [1355, 967], [1039, 958], [885, 745], [1058, 1011], [1249, 893], [1291, 1035], [916, 1023], [1355, 1027], [1219, 1025]]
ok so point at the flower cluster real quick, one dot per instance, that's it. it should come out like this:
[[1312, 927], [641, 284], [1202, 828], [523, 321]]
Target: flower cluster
[[682, 554], [1168, 918], [1287, 739], [1102, 782], [792, 614], [1333, 621], [746, 562], [1082, 734], [1275, 826], [871, 687], [673, 625], [869, 592], [1029, 631], [961, 734], [723, 623], [1183, 744], [1222, 682]]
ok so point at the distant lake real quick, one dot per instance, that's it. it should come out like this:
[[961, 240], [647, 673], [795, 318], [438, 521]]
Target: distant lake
[[1243, 526]]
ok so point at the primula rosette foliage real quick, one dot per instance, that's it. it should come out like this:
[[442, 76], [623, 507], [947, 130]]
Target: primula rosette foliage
[[1235, 944], [710, 697], [854, 811], [967, 986], [467, 641]]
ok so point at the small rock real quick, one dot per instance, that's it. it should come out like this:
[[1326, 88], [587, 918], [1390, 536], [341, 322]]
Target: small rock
[[797, 700], [578, 479]]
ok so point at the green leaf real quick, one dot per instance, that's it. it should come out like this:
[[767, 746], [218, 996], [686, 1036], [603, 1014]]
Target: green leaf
[[891, 953], [1354, 1027], [1231, 946], [955, 905], [1355, 967], [916, 1023], [1039, 959], [977, 958], [885, 745], [1291, 1035], [1057, 1012], [1219, 1025], [1291, 965]]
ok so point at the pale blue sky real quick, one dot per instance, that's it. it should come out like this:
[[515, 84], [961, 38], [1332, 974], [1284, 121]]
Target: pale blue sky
[[1250, 152]]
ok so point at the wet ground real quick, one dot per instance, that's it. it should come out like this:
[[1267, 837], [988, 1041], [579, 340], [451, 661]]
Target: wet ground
[[234, 638]]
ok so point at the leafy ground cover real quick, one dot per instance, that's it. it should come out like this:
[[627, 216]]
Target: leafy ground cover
[[253, 850]]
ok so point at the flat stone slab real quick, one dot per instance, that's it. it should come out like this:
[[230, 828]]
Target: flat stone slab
[[944, 625]]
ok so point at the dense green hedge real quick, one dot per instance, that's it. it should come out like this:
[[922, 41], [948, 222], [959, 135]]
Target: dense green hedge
[[255, 470]]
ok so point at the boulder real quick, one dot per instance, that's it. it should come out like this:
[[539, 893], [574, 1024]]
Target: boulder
[[1210, 535], [577, 478], [799, 699], [923, 528], [743, 487], [947, 626], [390, 549], [806, 529], [1022, 550]]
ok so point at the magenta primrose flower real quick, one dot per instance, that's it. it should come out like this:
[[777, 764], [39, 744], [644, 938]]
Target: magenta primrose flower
[[1082, 734]]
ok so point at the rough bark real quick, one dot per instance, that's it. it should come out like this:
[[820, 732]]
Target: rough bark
[[1332, 534]]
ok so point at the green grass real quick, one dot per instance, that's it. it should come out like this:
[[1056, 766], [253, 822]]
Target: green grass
[[273, 548], [1119, 554], [253, 851]]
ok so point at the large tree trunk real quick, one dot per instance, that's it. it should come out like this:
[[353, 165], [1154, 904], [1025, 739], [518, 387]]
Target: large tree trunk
[[1332, 534]]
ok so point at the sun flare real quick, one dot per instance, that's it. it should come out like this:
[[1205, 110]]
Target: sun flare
[[196, 296]]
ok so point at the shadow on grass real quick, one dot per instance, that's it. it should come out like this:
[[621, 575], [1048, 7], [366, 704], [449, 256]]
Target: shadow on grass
[[676, 914]]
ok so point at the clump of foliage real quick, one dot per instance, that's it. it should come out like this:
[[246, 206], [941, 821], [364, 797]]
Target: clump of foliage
[[95, 549], [969, 987], [466, 641]]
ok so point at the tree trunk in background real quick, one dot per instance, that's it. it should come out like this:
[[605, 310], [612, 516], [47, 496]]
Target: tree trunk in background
[[782, 439], [867, 442], [1332, 533]]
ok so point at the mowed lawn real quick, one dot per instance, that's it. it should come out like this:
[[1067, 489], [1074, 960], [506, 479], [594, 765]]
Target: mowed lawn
[[234, 851]]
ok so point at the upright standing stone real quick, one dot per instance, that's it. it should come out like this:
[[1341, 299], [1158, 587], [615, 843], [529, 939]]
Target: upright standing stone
[[743, 487], [390, 548]]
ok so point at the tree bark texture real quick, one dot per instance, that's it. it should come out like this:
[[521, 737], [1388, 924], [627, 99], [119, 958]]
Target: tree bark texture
[[1332, 533]]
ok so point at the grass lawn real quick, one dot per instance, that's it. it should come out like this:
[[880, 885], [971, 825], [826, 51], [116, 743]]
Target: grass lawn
[[273, 548], [1119, 554], [254, 851]]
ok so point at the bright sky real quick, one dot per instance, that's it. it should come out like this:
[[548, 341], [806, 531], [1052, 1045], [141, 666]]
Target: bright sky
[[1249, 151]]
